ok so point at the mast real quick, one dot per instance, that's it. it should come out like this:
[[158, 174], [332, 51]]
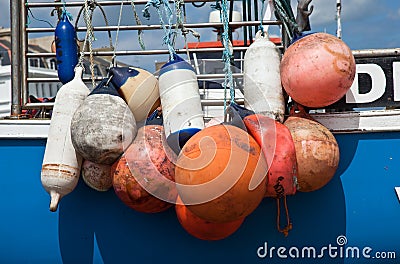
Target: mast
[[16, 60]]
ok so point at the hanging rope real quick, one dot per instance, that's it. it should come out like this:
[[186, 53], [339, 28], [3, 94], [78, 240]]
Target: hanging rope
[[89, 38], [289, 225], [284, 12], [138, 22], [113, 60], [227, 54], [261, 27], [180, 24], [168, 33], [28, 22], [92, 6]]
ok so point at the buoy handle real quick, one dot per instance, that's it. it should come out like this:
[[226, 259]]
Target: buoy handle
[[78, 72], [262, 35], [298, 110], [55, 199]]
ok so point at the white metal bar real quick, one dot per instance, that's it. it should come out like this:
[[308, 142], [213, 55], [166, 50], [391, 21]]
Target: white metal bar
[[158, 27]]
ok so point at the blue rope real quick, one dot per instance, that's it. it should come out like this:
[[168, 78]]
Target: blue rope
[[64, 11], [168, 32], [261, 27], [28, 22], [226, 55], [286, 16]]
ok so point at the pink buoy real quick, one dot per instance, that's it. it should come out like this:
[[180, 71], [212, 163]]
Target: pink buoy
[[317, 70]]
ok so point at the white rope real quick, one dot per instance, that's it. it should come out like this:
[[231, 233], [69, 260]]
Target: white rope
[[113, 61], [89, 38]]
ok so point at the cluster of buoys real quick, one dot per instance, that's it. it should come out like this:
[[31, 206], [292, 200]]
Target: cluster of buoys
[[90, 131], [215, 174]]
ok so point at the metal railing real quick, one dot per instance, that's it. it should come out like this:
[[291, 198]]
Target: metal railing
[[20, 53]]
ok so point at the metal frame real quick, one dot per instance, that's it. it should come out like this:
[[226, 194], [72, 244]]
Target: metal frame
[[20, 54]]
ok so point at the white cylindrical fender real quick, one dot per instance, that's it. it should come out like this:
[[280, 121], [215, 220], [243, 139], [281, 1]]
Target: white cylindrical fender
[[103, 126], [262, 82], [61, 164], [180, 101], [138, 88]]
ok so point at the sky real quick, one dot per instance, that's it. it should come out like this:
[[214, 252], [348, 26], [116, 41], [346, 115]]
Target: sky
[[366, 24]]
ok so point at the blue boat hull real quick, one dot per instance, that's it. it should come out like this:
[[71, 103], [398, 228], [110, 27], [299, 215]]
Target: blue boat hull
[[359, 204]]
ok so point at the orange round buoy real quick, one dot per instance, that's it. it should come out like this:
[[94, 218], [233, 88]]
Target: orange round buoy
[[144, 174], [317, 70], [317, 151], [201, 228], [220, 174]]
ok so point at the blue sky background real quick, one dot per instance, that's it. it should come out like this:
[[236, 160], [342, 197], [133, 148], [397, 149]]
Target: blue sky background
[[366, 24]]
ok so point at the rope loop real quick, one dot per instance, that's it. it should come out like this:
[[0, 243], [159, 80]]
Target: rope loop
[[285, 230], [261, 27], [113, 60], [138, 22], [284, 12], [89, 38], [169, 35], [227, 56]]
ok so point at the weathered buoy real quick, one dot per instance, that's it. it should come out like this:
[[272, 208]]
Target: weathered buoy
[[262, 82], [317, 70], [61, 165], [220, 174], [201, 228], [103, 126], [139, 89], [144, 176], [317, 151], [180, 100], [278, 147], [97, 176], [66, 49]]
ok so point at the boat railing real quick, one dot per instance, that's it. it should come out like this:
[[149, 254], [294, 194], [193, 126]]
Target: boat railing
[[21, 80], [21, 32]]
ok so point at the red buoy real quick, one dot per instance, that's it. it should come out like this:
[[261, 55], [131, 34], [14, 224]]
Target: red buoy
[[144, 175], [201, 228], [278, 147], [317, 70]]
